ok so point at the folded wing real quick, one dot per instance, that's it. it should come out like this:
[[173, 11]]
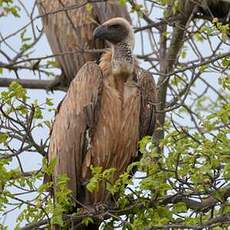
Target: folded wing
[[74, 124], [148, 102]]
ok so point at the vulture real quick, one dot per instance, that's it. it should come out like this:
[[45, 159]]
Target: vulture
[[103, 116], [215, 9], [69, 26]]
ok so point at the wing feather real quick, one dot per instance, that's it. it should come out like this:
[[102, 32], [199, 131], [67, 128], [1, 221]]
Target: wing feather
[[68, 137], [148, 103]]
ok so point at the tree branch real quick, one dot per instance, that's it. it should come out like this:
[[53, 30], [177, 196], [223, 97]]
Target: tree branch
[[167, 62], [33, 84], [202, 205], [223, 219]]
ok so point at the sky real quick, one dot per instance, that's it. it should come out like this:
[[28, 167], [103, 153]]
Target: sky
[[9, 25]]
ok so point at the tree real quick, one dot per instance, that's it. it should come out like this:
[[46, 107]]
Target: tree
[[185, 167]]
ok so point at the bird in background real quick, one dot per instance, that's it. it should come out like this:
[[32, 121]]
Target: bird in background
[[103, 116], [214, 11], [215, 8]]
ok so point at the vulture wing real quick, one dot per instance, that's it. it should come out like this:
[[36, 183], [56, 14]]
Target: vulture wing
[[69, 26], [74, 123], [148, 102]]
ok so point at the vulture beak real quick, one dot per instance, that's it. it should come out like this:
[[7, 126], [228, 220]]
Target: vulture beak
[[115, 30], [100, 32]]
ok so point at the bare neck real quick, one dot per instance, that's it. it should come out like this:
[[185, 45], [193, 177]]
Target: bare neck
[[122, 59]]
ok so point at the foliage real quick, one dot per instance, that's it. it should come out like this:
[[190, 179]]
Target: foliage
[[182, 178], [8, 7], [20, 118]]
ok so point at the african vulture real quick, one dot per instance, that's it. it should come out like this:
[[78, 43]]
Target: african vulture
[[69, 26], [103, 115], [215, 9]]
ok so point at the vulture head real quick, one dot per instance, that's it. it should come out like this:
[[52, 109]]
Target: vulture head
[[115, 30], [119, 33]]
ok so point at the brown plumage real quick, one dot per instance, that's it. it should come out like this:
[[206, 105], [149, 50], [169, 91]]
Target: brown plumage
[[103, 115], [69, 31]]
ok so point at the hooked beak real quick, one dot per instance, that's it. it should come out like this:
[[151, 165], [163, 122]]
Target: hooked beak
[[100, 32]]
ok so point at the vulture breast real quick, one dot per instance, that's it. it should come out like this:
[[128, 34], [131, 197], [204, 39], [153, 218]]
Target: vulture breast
[[115, 141]]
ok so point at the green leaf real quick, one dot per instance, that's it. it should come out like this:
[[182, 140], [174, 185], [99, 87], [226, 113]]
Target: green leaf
[[54, 63], [87, 220], [14, 11], [93, 184], [49, 101], [180, 207], [3, 137], [49, 167], [122, 2], [89, 8]]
